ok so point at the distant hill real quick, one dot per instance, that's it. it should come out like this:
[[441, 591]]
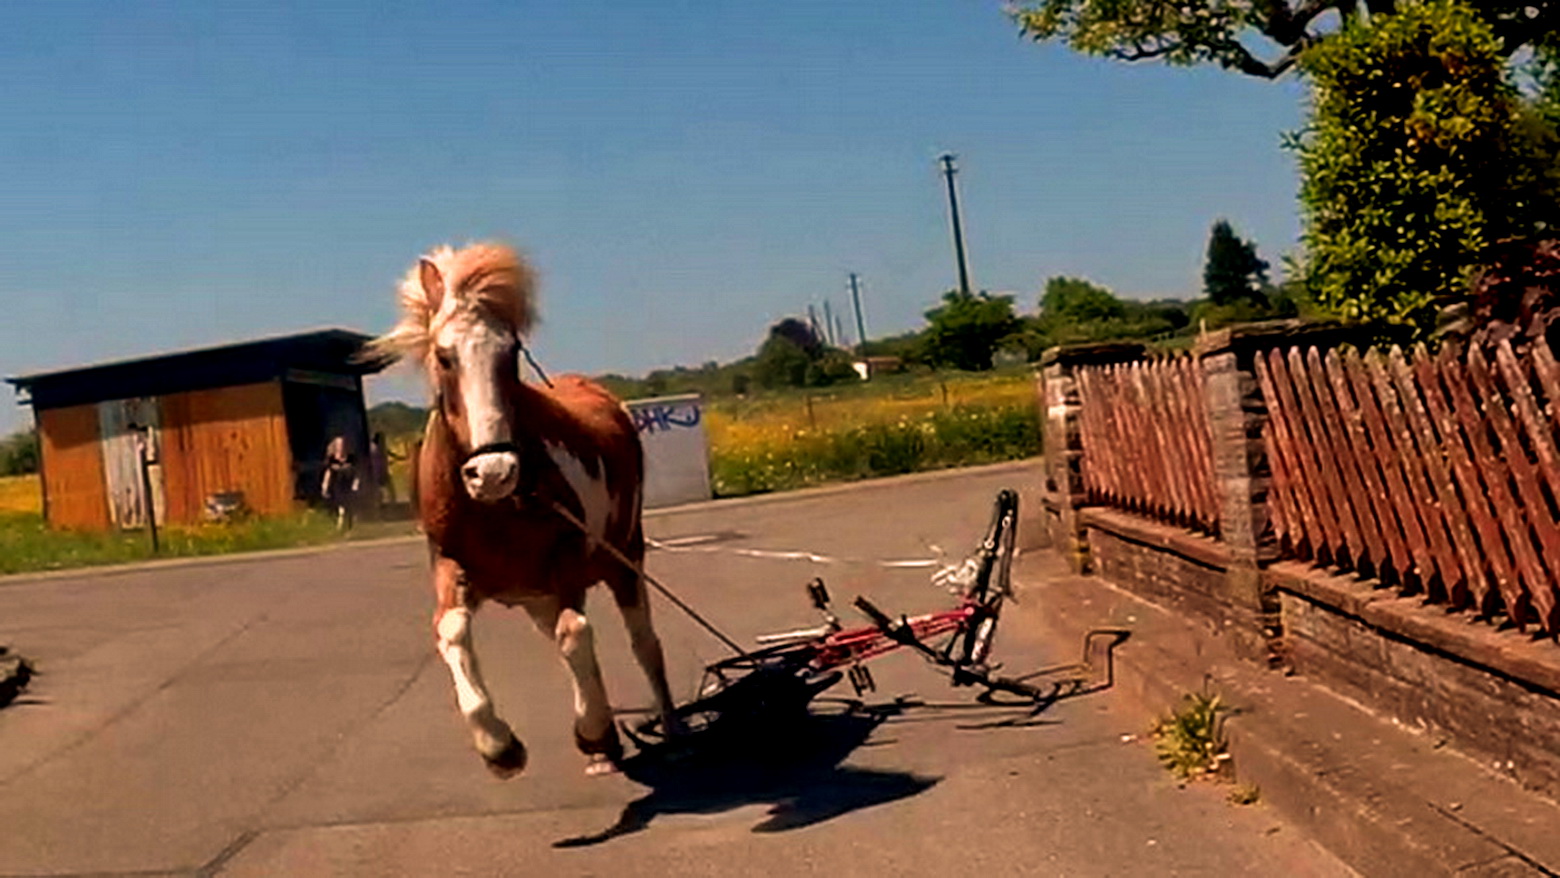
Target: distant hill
[[396, 419]]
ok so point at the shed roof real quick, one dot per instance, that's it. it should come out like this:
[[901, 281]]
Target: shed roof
[[329, 351]]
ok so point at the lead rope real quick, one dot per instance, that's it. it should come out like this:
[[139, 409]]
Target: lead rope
[[639, 570], [535, 366]]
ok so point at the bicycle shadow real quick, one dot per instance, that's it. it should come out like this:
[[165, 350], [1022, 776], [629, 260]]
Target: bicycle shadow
[[794, 764], [794, 767]]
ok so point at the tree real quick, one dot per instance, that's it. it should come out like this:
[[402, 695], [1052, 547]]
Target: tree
[[1233, 273], [794, 356], [965, 330], [800, 333], [1223, 32], [19, 453], [1415, 159], [1074, 300]]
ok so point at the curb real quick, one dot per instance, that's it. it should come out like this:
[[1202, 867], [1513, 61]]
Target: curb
[[800, 494], [1386, 801]]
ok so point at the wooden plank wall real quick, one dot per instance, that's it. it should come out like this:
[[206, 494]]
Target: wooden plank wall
[[1438, 472], [1146, 442], [73, 468], [226, 439]]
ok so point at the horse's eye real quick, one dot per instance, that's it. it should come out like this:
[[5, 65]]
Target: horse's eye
[[445, 360]]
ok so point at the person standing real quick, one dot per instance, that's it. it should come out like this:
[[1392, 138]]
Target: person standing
[[340, 484]]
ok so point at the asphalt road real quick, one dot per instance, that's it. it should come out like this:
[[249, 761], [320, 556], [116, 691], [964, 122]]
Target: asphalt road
[[287, 716]]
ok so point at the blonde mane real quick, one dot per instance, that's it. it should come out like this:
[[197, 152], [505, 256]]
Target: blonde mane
[[488, 276]]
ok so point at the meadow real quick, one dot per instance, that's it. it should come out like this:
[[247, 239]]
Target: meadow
[[891, 425], [20, 494]]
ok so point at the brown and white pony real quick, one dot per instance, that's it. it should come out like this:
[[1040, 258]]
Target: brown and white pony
[[496, 454]]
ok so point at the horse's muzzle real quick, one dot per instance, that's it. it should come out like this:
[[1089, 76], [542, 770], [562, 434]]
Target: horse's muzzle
[[491, 476]]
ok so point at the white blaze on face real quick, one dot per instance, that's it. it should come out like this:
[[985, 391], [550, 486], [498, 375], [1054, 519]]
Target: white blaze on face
[[595, 499], [477, 345]]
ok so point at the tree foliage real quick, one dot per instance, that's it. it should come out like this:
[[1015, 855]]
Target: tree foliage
[[1414, 160], [19, 453], [965, 330], [1262, 38], [794, 356], [1075, 310], [1233, 273], [1075, 300]]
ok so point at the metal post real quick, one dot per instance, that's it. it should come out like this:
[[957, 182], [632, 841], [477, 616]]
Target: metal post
[[144, 446], [958, 233], [861, 326]]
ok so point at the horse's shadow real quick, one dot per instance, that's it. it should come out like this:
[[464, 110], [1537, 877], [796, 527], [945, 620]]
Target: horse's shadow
[[792, 766]]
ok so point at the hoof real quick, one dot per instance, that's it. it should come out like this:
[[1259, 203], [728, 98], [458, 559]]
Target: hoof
[[674, 725], [600, 765], [509, 761], [601, 755]]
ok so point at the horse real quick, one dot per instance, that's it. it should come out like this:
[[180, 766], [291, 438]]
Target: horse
[[501, 460]]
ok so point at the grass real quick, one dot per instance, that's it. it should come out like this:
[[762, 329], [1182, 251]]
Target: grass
[[28, 544], [892, 425]]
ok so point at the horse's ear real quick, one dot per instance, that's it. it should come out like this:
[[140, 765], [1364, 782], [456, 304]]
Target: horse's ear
[[432, 282]]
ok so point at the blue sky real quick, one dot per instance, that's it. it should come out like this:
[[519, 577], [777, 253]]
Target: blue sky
[[176, 174]]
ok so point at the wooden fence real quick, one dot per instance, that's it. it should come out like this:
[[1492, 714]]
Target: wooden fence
[[1145, 440], [1436, 472]]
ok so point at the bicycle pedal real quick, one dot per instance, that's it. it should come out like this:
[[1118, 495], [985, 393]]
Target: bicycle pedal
[[861, 680]]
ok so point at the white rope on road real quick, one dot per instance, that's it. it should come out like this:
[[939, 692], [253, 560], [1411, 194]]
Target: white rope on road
[[681, 546]]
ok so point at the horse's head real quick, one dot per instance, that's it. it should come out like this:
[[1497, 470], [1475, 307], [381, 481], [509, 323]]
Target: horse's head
[[464, 315]]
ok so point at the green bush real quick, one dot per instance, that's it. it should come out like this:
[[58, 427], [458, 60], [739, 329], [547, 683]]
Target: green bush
[[1413, 163]]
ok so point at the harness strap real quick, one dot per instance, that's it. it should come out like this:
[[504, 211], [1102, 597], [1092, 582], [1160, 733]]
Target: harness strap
[[571, 518], [535, 366]]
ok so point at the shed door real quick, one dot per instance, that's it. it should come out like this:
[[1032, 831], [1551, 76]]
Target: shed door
[[124, 425]]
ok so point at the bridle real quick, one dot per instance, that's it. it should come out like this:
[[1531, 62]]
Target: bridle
[[509, 445]]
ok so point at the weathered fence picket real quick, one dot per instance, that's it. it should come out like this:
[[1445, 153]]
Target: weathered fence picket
[[1434, 472], [1144, 434]]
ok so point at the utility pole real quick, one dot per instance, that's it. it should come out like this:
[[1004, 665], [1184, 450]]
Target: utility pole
[[958, 233], [812, 320], [839, 332], [861, 326], [828, 322]]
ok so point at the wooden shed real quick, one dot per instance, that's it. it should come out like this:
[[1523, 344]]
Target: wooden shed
[[250, 419]]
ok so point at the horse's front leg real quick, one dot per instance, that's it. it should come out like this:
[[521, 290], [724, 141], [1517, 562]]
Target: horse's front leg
[[497, 744], [571, 631]]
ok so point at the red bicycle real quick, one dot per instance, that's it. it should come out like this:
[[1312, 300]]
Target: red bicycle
[[780, 679]]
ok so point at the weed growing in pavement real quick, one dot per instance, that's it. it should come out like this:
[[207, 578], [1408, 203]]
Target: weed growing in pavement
[[1190, 739]]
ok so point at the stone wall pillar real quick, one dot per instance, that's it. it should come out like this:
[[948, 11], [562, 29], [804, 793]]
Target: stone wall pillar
[[1237, 421], [1063, 460]]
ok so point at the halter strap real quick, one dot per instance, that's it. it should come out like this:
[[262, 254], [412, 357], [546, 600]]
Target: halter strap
[[494, 448]]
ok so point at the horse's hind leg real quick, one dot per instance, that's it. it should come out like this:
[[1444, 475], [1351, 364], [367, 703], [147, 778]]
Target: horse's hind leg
[[594, 734], [629, 591], [499, 747]]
